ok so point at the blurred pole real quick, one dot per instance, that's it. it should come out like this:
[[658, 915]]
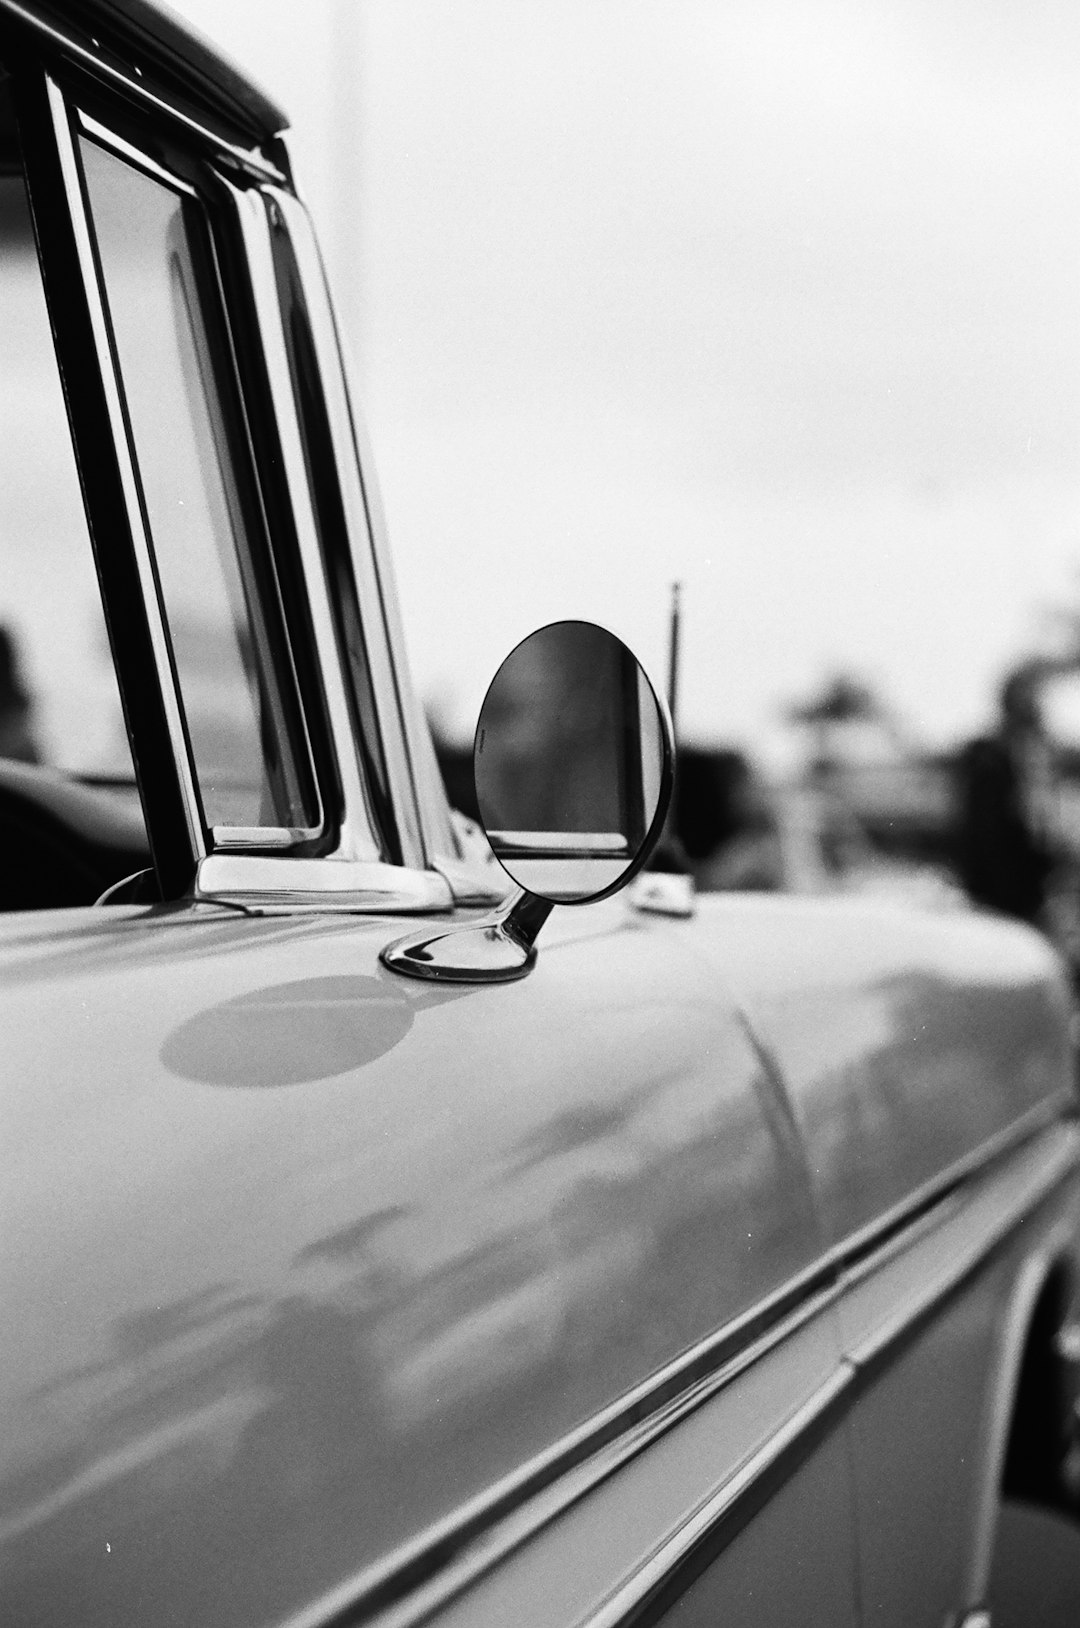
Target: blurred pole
[[346, 238]]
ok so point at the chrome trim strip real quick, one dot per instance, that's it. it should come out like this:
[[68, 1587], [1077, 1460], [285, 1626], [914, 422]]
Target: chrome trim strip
[[715, 1523], [874, 1353], [875, 1234], [110, 378], [419, 756], [250, 160], [425, 1574], [256, 836], [439, 1563], [357, 840], [722, 1516]]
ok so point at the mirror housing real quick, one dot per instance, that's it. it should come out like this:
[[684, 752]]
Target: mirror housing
[[574, 766]]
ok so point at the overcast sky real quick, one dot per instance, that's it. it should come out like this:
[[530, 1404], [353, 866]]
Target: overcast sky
[[782, 299]]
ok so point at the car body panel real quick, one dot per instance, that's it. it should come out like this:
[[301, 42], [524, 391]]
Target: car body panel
[[361, 1248], [908, 1040]]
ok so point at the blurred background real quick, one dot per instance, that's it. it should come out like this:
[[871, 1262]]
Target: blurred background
[[780, 300]]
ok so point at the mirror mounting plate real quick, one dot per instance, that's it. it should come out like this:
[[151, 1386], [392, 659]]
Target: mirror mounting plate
[[495, 950]]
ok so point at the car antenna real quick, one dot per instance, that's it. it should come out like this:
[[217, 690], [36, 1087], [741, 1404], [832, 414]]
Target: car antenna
[[673, 657], [669, 889]]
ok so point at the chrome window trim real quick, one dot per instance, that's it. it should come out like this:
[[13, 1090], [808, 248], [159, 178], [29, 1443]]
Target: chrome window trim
[[101, 133], [221, 836], [358, 839], [250, 160], [246, 837], [413, 766], [109, 372], [437, 1566], [417, 737], [271, 884], [374, 580]]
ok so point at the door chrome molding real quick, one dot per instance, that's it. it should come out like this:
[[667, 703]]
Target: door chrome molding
[[682, 1557], [424, 1575], [432, 1569], [676, 1564], [874, 1354], [866, 1244]]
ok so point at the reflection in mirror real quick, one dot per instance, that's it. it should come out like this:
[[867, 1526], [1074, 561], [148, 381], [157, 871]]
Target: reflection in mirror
[[573, 763]]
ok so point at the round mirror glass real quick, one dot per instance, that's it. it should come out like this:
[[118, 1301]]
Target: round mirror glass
[[573, 763]]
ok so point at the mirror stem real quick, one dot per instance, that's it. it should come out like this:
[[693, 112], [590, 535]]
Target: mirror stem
[[523, 916]]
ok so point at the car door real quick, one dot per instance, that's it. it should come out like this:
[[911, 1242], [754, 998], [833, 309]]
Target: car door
[[349, 1289]]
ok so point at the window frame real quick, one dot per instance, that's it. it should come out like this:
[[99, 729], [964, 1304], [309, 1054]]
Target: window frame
[[106, 471], [357, 867], [255, 556]]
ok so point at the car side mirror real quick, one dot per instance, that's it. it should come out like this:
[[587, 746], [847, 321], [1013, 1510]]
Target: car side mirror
[[574, 768]]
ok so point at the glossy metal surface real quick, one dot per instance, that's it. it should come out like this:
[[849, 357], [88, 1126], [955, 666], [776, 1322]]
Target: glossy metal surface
[[633, 1546], [311, 1254], [356, 571], [907, 1039], [427, 828], [277, 884], [358, 837], [493, 951]]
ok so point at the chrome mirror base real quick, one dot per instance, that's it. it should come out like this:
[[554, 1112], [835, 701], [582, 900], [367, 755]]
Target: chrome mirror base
[[494, 951]]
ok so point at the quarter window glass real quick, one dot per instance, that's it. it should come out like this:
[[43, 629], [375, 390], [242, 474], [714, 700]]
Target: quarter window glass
[[241, 715]]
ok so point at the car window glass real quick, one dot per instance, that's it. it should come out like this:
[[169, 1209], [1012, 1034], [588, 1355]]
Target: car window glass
[[59, 703], [251, 771]]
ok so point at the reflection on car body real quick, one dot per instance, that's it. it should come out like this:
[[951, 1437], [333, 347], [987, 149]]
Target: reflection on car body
[[687, 1267]]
